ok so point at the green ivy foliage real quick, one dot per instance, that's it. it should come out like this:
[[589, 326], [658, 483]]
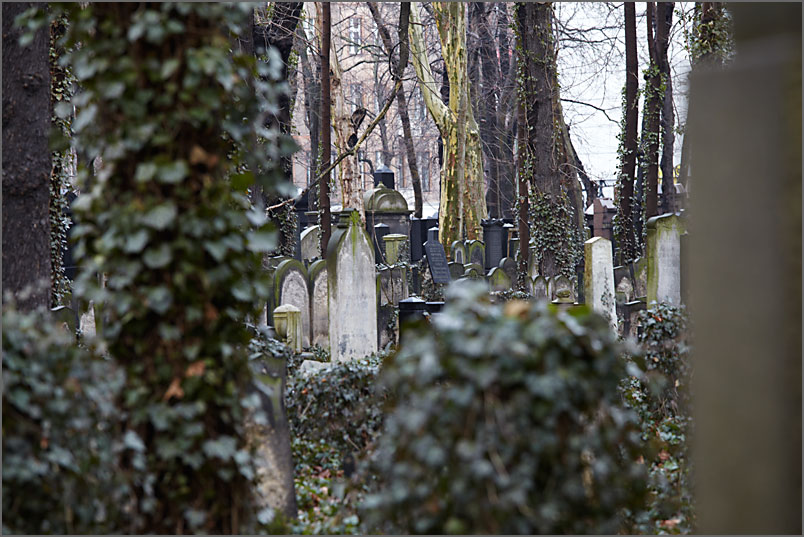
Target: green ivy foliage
[[662, 399], [61, 441], [506, 418], [177, 120], [552, 230]]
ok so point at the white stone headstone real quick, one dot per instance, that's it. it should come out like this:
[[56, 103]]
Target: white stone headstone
[[598, 278], [319, 304], [663, 252], [352, 290], [290, 282], [311, 243]]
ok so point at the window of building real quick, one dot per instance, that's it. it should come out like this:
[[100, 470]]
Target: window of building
[[354, 35]]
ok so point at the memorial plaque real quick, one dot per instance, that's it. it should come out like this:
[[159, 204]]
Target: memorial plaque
[[437, 261]]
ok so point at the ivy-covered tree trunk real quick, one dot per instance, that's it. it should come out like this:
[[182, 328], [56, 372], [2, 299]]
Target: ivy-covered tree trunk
[[554, 207], [654, 96], [326, 117], [174, 114], [26, 163], [462, 203], [664, 21], [624, 231]]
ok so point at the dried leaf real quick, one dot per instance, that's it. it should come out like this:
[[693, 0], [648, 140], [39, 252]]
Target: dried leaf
[[174, 390], [196, 369]]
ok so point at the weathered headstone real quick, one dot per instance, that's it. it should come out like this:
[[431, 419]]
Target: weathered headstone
[[352, 290], [288, 326], [513, 247], [473, 271], [394, 243], [560, 284], [510, 233], [458, 252], [311, 243], [663, 252], [437, 261], [494, 240], [499, 280], [508, 265], [540, 287], [290, 287], [393, 285], [378, 233], [456, 270], [641, 278], [476, 252], [599, 278], [319, 304]]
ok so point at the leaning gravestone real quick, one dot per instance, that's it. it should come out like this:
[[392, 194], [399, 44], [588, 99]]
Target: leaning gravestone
[[598, 278], [437, 262], [290, 287], [663, 252], [319, 304], [311, 243], [352, 290], [499, 280]]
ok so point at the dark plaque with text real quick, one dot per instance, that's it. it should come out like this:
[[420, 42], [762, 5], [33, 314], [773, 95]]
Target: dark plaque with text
[[437, 261]]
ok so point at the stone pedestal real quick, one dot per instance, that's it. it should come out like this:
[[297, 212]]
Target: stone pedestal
[[288, 326], [599, 278]]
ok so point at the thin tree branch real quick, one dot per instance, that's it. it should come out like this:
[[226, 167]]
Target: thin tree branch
[[592, 106]]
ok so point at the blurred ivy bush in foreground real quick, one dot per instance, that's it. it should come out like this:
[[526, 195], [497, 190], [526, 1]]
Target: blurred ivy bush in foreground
[[506, 418]]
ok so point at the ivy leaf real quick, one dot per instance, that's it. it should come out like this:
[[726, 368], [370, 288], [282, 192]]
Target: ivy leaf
[[136, 242], [224, 447], [145, 172], [157, 257], [160, 216], [159, 299], [262, 241], [173, 172], [132, 441]]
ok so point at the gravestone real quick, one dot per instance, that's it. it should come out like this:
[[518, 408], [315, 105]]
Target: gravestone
[[437, 261], [383, 175], [494, 240], [599, 278], [499, 280], [641, 279], [352, 290], [417, 239], [411, 309], [393, 285], [476, 253], [473, 271], [378, 234], [288, 326], [270, 437], [394, 244], [319, 304], [513, 247], [458, 252], [560, 284], [456, 270], [509, 266], [540, 288], [663, 252], [290, 287], [432, 234], [509, 234], [384, 205], [311, 243]]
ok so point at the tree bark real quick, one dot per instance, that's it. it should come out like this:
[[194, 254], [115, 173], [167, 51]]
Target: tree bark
[[626, 237], [663, 23], [26, 163], [650, 136], [462, 205], [326, 144]]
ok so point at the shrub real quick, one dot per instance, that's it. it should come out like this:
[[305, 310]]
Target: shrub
[[60, 453], [506, 419]]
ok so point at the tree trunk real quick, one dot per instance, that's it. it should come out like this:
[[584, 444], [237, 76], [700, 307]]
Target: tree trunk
[[543, 158], [663, 23], [625, 234], [462, 205], [326, 144], [26, 163], [650, 136]]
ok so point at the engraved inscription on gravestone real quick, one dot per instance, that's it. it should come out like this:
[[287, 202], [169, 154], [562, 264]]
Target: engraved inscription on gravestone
[[437, 261]]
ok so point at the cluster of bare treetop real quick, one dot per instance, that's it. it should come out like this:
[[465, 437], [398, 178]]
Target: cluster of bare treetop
[[497, 106]]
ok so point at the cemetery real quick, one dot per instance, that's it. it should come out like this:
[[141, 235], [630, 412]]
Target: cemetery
[[222, 315]]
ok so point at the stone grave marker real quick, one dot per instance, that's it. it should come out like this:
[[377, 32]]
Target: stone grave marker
[[663, 252], [476, 252], [508, 265], [560, 284], [493, 239], [311, 243], [379, 233], [540, 287], [499, 280], [352, 290], [599, 278], [394, 243], [458, 252], [437, 261], [641, 279], [473, 270], [288, 326], [456, 270], [290, 287], [319, 304]]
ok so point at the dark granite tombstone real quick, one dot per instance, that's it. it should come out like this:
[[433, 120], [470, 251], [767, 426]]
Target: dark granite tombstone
[[456, 270], [385, 176], [379, 231], [432, 234], [411, 309], [418, 235], [493, 238], [437, 261]]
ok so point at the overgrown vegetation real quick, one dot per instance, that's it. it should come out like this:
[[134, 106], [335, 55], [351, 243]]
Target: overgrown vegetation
[[506, 419]]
